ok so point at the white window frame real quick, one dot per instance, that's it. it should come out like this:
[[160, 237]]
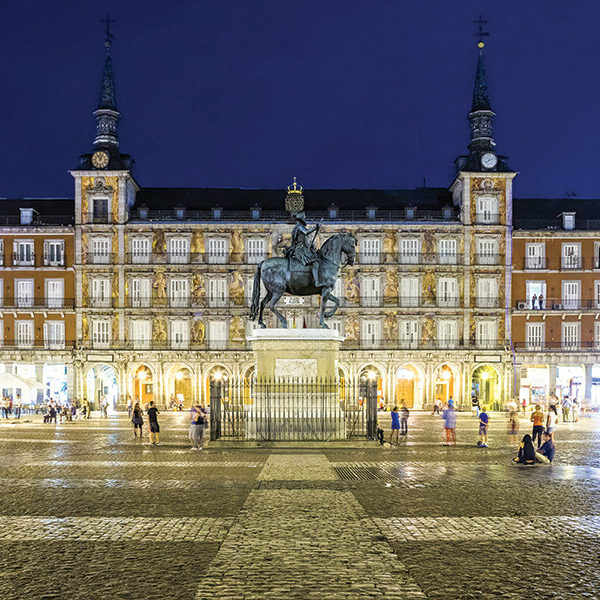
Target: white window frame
[[24, 253], [570, 254], [24, 333], [535, 335], [535, 255], [54, 334], [447, 333], [217, 342], [370, 250], [140, 292], [487, 251], [447, 251], [409, 249], [571, 335], [101, 333], [370, 290], [571, 294], [370, 334], [140, 250], [140, 333], [410, 291], [58, 260], [1, 252], [409, 332], [179, 333], [486, 334], [217, 250], [529, 293], [24, 293], [447, 293], [100, 292], [487, 297], [596, 294], [486, 210], [218, 292], [58, 300], [179, 292], [596, 334], [100, 250], [256, 250], [178, 250]]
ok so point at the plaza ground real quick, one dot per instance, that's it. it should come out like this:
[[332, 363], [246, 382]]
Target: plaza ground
[[88, 512]]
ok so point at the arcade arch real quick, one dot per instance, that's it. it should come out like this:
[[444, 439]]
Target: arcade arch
[[485, 385], [142, 384], [179, 386], [409, 381], [102, 384]]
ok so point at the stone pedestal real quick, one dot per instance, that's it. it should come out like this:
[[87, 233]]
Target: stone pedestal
[[296, 392]]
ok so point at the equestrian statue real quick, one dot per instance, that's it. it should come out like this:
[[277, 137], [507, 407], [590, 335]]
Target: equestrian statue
[[304, 271]]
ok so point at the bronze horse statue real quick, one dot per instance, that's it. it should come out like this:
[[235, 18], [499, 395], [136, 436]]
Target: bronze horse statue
[[281, 275]]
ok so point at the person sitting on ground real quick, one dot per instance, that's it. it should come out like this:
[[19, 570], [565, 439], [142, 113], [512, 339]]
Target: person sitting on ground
[[526, 454], [395, 424], [545, 454]]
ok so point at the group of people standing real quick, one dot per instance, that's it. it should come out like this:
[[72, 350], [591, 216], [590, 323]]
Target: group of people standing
[[197, 424]]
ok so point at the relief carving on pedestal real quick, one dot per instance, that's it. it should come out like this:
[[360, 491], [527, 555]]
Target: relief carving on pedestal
[[296, 368]]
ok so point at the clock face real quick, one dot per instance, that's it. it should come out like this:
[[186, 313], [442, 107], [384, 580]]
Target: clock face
[[100, 159], [489, 160]]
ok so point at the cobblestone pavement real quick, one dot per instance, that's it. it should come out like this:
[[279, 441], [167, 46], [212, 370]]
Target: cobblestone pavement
[[88, 512]]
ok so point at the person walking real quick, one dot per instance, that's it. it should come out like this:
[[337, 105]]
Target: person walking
[[137, 419], [129, 406], [524, 405], [449, 416], [537, 418], [197, 425], [395, 424], [484, 421], [153, 424], [475, 407], [436, 406], [575, 410], [404, 414]]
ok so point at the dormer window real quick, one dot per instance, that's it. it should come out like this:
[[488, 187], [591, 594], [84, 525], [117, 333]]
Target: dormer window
[[333, 211], [447, 213], [26, 216], [568, 220], [217, 212], [255, 212], [179, 212], [371, 212], [143, 212], [410, 212]]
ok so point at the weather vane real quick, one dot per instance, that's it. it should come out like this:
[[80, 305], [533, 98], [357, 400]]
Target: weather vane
[[108, 35], [481, 33]]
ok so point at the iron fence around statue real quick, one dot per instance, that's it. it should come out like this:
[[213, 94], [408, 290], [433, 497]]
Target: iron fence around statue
[[284, 409]]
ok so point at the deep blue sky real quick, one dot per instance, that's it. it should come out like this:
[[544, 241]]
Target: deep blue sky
[[370, 93]]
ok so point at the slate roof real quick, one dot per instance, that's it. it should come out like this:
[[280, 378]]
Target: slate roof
[[544, 213], [240, 199], [48, 211]]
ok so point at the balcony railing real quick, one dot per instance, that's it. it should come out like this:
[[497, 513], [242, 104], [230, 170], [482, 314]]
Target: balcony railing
[[57, 220], [557, 304], [560, 346], [27, 303]]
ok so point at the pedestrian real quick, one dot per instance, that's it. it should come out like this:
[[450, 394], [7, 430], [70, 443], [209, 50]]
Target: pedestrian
[[153, 424], [475, 407], [551, 420], [484, 421], [524, 405], [104, 408], [575, 410], [129, 406], [537, 418], [534, 302], [137, 419], [526, 455], [197, 425], [404, 414], [541, 301], [566, 407], [436, 406], [513, 425], [449, 416], [17, 407], [395, 424], [546, 452]]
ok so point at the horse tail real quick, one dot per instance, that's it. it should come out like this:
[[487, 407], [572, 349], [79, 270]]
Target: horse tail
[[255, 294]]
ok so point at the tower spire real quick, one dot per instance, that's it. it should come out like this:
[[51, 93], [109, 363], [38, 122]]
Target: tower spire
[[107, 114]]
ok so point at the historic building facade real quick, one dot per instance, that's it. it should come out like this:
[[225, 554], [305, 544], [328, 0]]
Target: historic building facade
[[163, 278]]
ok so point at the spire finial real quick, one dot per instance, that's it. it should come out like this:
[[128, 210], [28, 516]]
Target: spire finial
[[108, 36], [480, 32]]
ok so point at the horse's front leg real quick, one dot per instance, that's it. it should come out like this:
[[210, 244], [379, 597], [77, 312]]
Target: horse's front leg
[[336, 301], [274, 301], [324, 294]]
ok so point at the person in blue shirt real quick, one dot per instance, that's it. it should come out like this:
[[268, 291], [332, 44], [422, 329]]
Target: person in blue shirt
[[484, 421], [546, 451], [395, 424]]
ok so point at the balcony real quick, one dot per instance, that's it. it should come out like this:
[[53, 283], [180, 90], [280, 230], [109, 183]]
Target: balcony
[[100, 258], [23, 259], [557, 304], [535, 263], [487, 218], [22, 302], [572, 263], [96, 218], [488, 260], [559, 346]]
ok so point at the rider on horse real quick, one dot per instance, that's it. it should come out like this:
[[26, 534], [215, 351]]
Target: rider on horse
[[302, 249]]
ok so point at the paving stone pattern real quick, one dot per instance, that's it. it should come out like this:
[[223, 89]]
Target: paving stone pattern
[[87, 512]]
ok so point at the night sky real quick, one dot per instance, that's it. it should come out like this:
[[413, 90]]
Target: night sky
[[370, 94]]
